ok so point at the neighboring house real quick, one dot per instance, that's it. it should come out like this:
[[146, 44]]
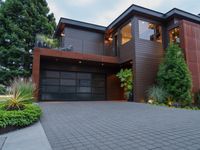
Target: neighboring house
[[90, 55]]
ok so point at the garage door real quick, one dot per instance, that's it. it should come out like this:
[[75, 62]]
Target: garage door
[[60, 85]]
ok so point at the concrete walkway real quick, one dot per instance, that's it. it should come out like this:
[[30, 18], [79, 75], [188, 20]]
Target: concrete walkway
[[29, 138], [119, 126]]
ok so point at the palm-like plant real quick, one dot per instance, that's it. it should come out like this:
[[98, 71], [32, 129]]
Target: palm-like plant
[[22, 91]]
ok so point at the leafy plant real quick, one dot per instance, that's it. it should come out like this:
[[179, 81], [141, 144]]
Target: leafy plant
[[22, 91], [174, 76], [30, 114], [157, 94], [126, 78], [2, 89], [47, 41]]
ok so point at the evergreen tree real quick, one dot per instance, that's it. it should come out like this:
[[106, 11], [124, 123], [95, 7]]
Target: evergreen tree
[[174, 75], [20, 21]]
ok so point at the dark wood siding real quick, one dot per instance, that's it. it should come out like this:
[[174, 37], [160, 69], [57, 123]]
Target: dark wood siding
[[126, 52], [147, 57], [84, 41]]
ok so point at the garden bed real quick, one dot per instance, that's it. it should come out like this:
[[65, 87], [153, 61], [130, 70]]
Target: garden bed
[[16, 119]]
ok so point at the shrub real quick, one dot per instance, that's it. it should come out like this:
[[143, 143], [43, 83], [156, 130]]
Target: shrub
[[174, 75], [22, 92], [19, 118], [2, 89], [157, 94], [126, 78]]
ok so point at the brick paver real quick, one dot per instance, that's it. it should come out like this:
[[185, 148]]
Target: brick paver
[[119, 126]]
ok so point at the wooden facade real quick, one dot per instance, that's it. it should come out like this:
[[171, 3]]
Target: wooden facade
[[98, 49]]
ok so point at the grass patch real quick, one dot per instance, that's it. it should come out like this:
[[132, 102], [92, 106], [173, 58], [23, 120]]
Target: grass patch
[[19, 118]]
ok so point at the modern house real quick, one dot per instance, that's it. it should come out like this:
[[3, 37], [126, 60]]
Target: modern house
[[89, 57]]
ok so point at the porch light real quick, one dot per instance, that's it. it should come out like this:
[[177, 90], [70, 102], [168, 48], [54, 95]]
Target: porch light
[[110, 38], [62, 34], [80, 62]]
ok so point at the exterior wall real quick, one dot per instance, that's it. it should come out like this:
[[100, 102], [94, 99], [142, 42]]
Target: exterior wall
[[114, 91], [126, 52], [191, 44], [146, 60], [84, 41]]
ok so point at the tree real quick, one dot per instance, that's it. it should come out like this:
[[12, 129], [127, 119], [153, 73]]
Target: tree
[[174, 75], [20, 21]]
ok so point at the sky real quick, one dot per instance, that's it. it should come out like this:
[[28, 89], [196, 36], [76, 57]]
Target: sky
[[103, 12]]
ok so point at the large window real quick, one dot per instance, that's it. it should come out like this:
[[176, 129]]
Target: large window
[[150, 31], [174, 35], [126, 34]]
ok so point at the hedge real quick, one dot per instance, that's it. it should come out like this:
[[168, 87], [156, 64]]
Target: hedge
[[19, 118]]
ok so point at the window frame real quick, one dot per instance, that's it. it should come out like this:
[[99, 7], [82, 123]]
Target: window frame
[[154, 35], [120, 31]]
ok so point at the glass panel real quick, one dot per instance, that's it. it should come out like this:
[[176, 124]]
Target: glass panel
[[68, 82], [98, 90], [70, 75], [50, 89], [51, 74], [84, 75], [98, 83], [67, 89], [50, 81], [126, 34], [85, 82], [84, 89], [150, 31], [174, 35]]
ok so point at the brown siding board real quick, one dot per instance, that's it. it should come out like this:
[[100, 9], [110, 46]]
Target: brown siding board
[[190, 38], [147, 56]]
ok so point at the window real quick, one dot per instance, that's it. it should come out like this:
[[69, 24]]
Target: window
[[150, 31], [174, 35], [126, 34]]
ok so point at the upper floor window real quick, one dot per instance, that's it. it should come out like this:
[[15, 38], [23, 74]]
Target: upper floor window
[[150, 31], [126, 34], [174, 35]]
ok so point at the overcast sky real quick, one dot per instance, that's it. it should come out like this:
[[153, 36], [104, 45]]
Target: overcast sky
[[103, 12]]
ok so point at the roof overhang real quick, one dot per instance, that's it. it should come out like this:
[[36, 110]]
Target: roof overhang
[[128, 13]]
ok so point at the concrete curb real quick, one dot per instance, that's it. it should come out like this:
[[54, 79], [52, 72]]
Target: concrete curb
[[29, 138]]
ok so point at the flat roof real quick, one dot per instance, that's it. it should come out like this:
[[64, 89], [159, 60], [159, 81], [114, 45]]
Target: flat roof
[[133, 9]]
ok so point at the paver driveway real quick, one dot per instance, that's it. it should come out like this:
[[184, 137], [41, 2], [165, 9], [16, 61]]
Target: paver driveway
[[119, 126]]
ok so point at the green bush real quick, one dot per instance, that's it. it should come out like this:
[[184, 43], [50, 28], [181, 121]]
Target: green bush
[[174, 76], [157, 94], [2, 89], [126, 78], [22, 92], [19, 118]]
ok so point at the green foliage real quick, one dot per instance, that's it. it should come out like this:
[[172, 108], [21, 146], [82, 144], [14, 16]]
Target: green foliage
[[51, 42], [19, 118], [20, 21], [2, 89], [174, 76], [126, 78], [157, 94], [22, 92]]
